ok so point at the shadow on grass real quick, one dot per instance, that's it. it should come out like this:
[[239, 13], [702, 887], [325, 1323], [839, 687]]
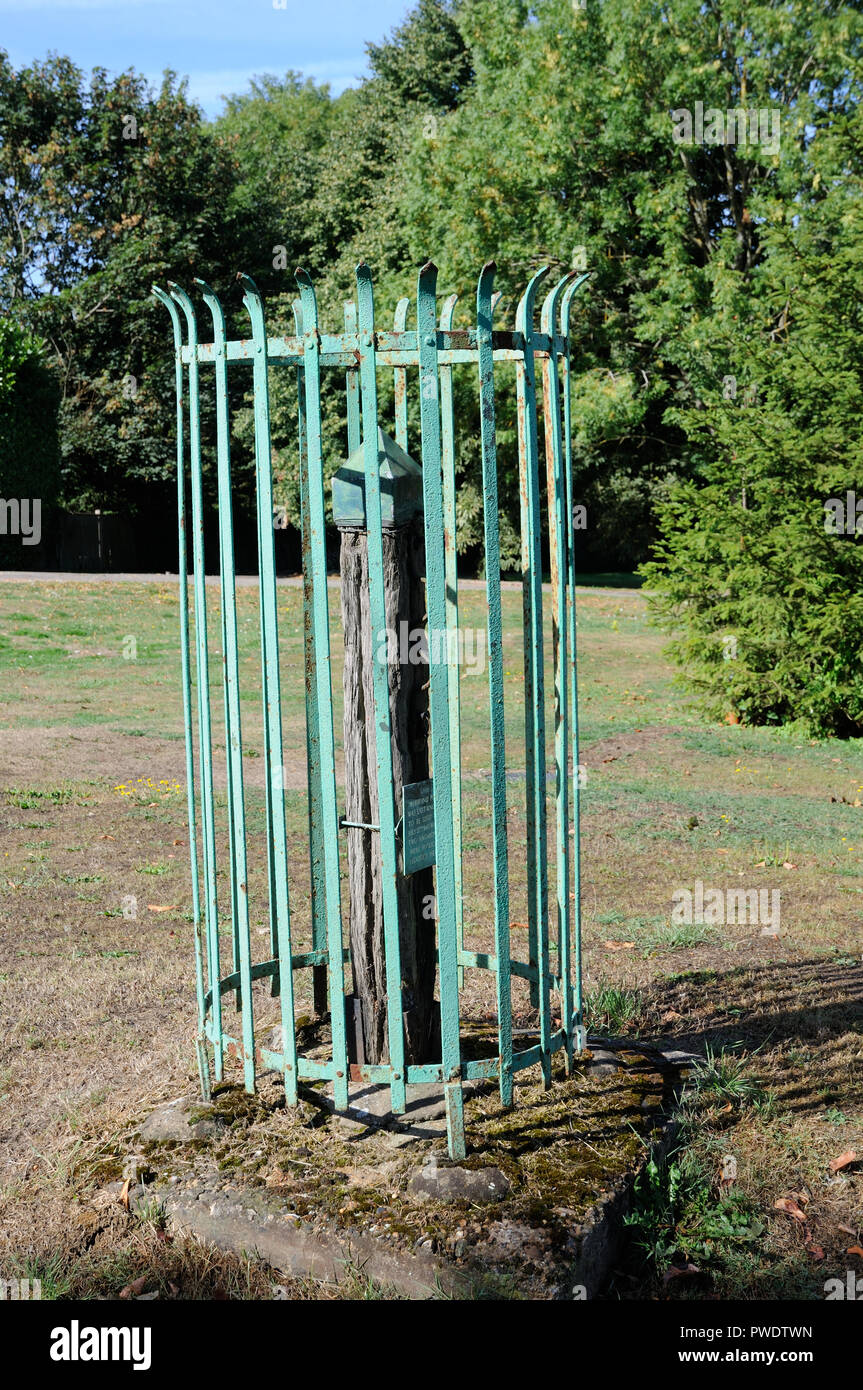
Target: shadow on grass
[[805, 1016]]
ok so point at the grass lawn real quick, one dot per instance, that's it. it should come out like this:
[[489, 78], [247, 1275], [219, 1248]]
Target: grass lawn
[[98, 1005]]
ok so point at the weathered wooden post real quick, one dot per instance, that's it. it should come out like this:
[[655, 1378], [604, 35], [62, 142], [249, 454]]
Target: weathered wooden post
[[403, 646]]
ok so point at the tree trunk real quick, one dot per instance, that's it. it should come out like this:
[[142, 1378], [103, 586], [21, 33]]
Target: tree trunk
[[408, 687]]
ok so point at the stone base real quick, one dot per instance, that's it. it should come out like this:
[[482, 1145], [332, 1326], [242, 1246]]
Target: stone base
[[535, 1211]]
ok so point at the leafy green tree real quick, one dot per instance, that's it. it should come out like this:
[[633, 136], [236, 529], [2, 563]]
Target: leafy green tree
[[29, 447], [338, 172], [109, 186], [426, 60], [759, 568], [564, 149]]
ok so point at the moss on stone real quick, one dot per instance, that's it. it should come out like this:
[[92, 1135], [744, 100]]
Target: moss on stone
[[562, 1150]]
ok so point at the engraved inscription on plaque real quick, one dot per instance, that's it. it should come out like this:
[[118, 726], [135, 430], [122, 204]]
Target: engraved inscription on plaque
[[418, 848]]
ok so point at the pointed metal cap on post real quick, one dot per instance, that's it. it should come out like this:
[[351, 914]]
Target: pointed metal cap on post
[[401, 487]]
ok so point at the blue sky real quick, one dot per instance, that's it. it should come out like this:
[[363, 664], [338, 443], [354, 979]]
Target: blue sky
[[217, 44]]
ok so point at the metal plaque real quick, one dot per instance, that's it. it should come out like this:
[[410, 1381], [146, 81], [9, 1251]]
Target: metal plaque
[[418, 848]]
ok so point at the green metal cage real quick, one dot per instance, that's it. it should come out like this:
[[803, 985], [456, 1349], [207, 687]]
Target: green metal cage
[[360, 352]]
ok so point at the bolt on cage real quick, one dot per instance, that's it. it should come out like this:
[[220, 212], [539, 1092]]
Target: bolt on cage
[[433, 349]]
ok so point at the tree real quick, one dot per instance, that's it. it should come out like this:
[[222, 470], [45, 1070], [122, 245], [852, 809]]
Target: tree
[[29, 447], [330, 175], [759, 566], [107, 186], [426, 59], [564, 148]]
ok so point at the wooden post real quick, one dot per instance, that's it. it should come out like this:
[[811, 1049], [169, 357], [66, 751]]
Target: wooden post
[[408, 686]]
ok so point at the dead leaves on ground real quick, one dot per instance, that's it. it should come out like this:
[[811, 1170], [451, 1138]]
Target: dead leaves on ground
[[843, 1161], [135, 1289], [790, 1208]]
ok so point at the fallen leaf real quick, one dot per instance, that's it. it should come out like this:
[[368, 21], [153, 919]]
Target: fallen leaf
[[843, 1161], [676, 1272], [732, 718], [722, 851], [815, 1251], [107, 837], [790, 1208], [124, 1195], [762, 864], [849, 1230], [155, 907], [520, 926], [855, 1250], [670, 1016], [619, 945], [134, 1289], [179, 842], [788, 865]]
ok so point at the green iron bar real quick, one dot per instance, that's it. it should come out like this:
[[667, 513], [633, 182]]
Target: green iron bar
[[439, 695], [319, 674], [531, 564], [484, 312], [231, 670], [313, 737], [261, 421], [221, 372], [385, 844], [352, 387], [186, 682], [205, 737], [272, 764], [400, 382], [574, 1022], [558, 562], [447, 412], [277, 837]]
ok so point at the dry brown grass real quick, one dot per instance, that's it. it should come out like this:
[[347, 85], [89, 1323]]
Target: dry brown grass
[[98, 1009]]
